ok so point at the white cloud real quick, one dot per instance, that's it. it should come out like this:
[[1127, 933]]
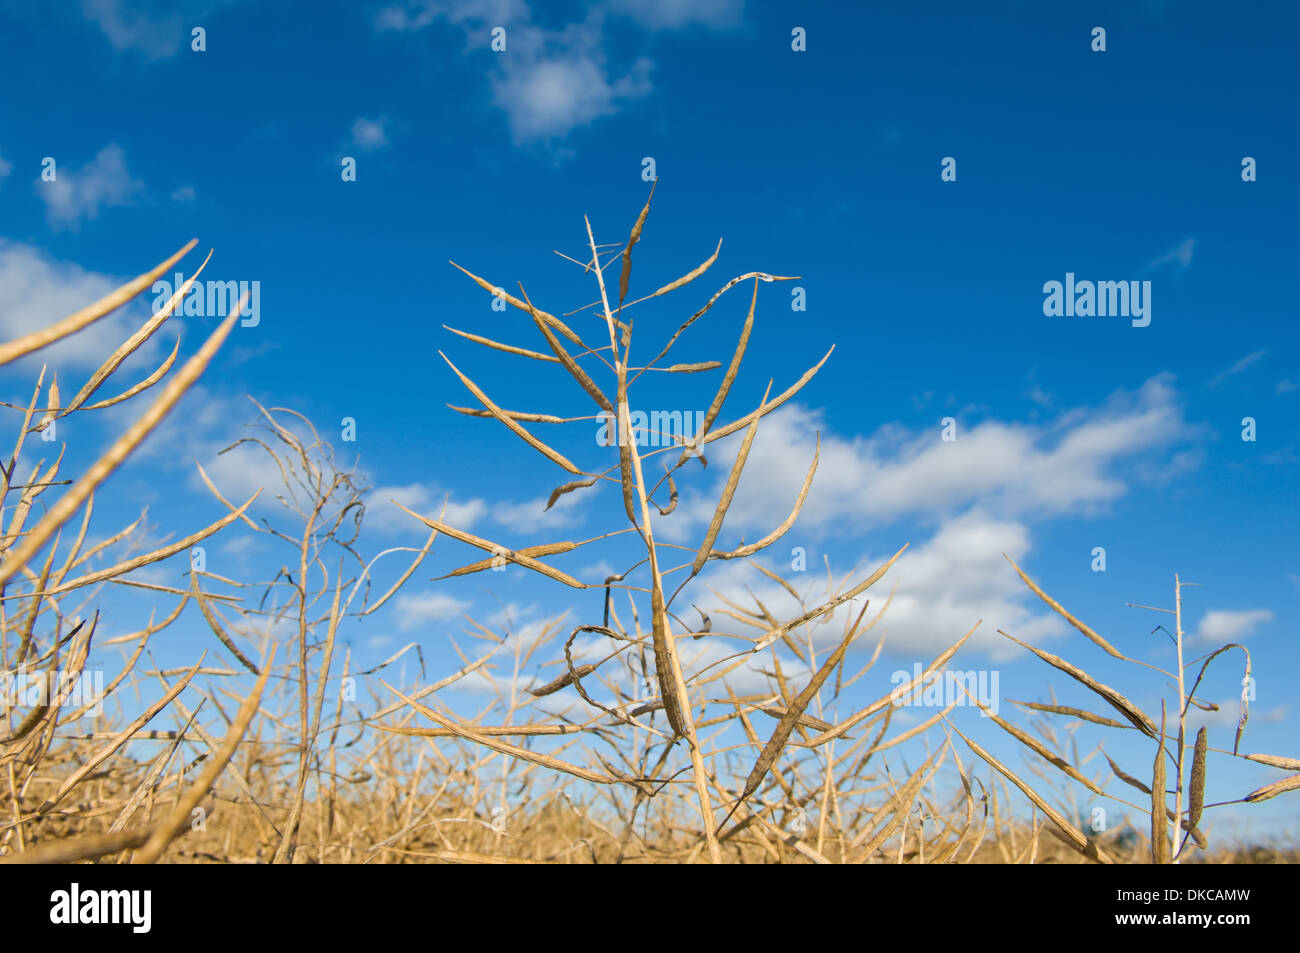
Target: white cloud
[[415, 610], [185, 193], [511, 614], [157, 574], [1237, 367], [1229, 713], [207, 425], [420, 498], [669, 14], [982, 492], [36, 291], [370, 134], [941, 587], [548, 96], [1230, 625], [206, 428], [78, 194], [1286, 387], [5, 168], [147, 28], [525, 626], [601, 570], [548, 82], [1182, 255], [155, 29], [532, 515], [1040, 397], [1008, 469], [955, 579], [419, 14]]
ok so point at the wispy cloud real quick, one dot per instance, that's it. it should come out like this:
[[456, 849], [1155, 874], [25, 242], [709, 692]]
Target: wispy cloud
[[425, 499], [938, 590], [76, 195], [36, 290], [1228, 713], [1010, 469], [1182, 255], [550, 94], [154, 29], [552, 81], [532, 515], [415, 610], [370, 134], [5, 168], [418, 14], [1237, 367], [673, 14], [981, 492], [1230, 625]]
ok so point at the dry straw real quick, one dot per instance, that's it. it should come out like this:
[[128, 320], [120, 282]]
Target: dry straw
[[628, 741]]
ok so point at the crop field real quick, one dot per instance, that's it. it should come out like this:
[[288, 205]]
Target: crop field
[[273, 746]]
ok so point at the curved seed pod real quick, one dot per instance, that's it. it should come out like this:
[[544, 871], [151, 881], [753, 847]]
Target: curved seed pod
[[563, 681], [1060, 610], [1196, 792], [635, 237], [512, 414], [564, 357], [498, 346], [546, 549], [772, 405], [1128, 709], [1291, 764], [728, 493], [784, 528], [1070, 834], [785, 725], [132, 344], [71, 501], [1126, 778], [552, 455], [1273, 790], [550, 319], [706, 624], [73, 323], [733, 369], [672, 498], [159, 373], [1159, 817], [1074, 713], [497, 550]]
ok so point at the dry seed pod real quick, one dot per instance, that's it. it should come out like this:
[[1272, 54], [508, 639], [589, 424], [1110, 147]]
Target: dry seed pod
[[1197, 789], [1159, 817]]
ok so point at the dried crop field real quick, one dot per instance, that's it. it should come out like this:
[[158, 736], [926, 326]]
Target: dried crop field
[[273, 746]]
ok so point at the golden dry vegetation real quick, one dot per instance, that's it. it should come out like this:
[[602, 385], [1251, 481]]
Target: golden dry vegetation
[[272, 746]]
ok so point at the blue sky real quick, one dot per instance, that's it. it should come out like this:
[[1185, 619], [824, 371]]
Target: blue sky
[[1072, 432]]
